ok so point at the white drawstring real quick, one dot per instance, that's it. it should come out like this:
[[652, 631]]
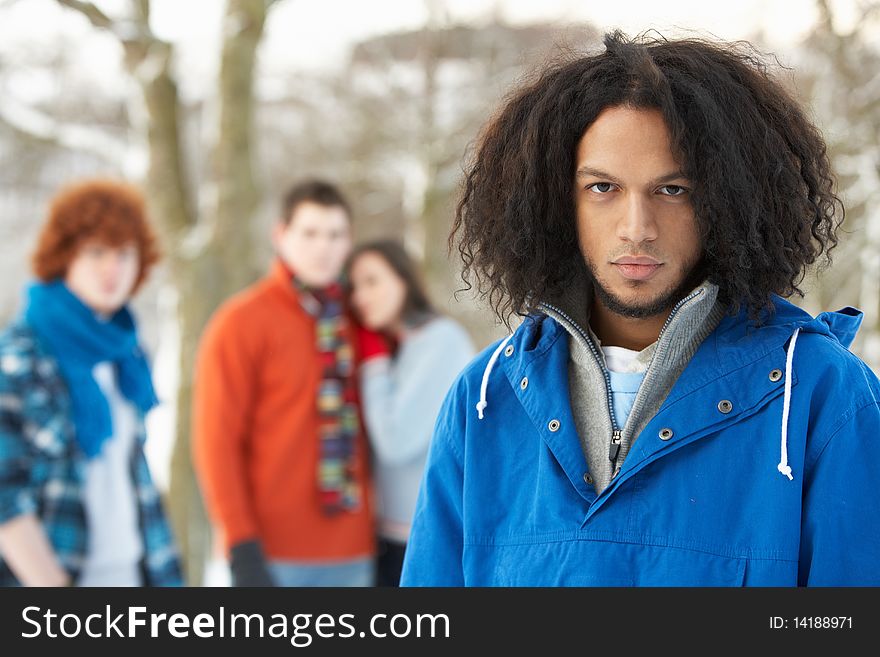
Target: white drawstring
[[783, 466], [481, 405]]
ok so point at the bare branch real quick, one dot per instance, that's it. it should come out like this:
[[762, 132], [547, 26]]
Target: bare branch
[[142, 12], [35, 125], [88, 9], [868, 11], [132, 32]]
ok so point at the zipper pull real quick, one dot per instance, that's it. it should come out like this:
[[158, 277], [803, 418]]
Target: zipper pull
[[614, 450]]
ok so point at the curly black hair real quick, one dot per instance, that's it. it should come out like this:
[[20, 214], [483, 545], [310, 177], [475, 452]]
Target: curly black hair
[[763, 189]]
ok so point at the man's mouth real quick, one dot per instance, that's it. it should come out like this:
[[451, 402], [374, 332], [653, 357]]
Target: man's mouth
[[637, 268]]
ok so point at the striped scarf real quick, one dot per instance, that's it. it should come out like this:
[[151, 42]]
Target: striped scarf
[[338, 423]]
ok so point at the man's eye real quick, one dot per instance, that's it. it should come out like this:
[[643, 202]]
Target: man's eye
[[601, 187], [673, 190]]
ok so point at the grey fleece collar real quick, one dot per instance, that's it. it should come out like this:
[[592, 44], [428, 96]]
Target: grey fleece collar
[[690, 322]]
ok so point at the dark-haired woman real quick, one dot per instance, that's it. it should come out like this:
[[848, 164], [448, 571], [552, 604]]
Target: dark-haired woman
[[402, 387], [77, 503]]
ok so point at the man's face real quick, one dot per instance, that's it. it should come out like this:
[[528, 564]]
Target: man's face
[[103, 276], [636, 225], [315, 243]]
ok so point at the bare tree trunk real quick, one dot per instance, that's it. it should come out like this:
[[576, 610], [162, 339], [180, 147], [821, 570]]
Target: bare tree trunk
[[434, 224], [225, 264], [168, 191], [238, 193]]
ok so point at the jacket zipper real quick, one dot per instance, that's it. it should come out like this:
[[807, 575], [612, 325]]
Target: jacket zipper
[[616, 432], [675, 309], [614, 449]]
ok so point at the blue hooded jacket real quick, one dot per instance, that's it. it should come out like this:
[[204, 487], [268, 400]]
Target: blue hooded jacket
[[733, 482]]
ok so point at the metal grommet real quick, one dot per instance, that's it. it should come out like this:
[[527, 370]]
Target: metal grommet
[[508, 350], [665, 434], [775, 375], [725, 406], [588, 478], [524, 383], [553, 425]]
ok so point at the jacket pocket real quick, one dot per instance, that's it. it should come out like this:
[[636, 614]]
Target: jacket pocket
[[589, 562], [668, 566]]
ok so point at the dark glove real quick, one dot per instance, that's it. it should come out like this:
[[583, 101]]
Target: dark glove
[[248, 565]]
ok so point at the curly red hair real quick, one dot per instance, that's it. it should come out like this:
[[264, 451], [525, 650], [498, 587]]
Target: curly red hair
[[108, 211]]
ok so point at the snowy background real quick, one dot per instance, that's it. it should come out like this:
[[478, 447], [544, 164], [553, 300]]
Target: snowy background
[[350, 90]]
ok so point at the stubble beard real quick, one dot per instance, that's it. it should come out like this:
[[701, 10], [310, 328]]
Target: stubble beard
[[663, 302]]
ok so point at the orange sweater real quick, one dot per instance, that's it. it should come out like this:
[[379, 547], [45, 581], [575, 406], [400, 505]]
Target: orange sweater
[[255, 424]]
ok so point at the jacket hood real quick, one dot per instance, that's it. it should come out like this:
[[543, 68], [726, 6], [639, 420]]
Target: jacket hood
[[841, 325], [777, 326]]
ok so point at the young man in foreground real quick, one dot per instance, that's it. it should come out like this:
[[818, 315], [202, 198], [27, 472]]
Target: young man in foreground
[[662, 416]]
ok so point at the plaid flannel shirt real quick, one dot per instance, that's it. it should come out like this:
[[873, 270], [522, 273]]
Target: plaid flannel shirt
[[42, 469]]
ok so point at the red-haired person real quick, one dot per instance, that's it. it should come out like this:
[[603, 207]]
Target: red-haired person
[[77, 503]]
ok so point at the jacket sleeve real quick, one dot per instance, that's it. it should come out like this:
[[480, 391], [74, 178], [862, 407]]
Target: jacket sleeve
[[223, 399], [401, 402], [434, 551], [840, 530], [16, 497]]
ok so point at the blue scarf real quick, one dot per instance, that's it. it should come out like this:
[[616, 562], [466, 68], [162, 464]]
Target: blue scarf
[[79, 340]]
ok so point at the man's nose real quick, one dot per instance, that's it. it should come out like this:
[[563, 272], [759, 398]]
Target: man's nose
[[637, 224]]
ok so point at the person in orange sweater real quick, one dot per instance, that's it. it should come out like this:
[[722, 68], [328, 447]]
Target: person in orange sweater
[[278, 443]]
